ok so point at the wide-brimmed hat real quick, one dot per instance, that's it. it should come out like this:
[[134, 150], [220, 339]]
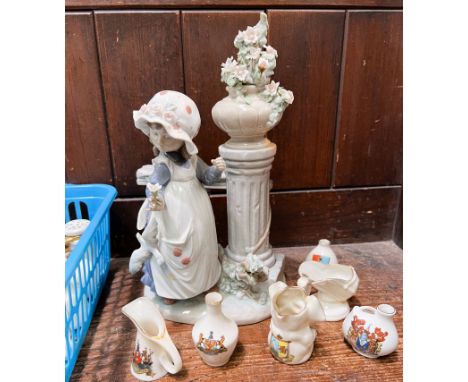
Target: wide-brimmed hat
[[176, 112]]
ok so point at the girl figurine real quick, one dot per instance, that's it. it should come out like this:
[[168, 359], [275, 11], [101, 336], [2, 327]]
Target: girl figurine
[[179, 249]]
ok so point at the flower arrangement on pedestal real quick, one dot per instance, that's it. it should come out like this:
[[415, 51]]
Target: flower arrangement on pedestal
[[255, 65]]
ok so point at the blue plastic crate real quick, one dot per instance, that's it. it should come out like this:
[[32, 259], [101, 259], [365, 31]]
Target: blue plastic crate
[[88, 264]]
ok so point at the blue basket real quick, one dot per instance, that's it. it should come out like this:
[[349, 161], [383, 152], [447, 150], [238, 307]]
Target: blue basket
[[87, 267]]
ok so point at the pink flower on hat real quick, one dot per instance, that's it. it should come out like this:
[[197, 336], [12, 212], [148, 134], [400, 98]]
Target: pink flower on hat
[[155, 110], [170, 117]]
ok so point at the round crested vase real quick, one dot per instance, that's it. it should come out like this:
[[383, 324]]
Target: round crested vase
[[215, 335], [245, 115], [371, 332]]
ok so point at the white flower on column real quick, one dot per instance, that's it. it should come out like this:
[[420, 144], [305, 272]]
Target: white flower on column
[[253, 53], [271, 89], [242, 73], [271, 51], [263, 64], [250, 36], [286, 95], [228, 66]]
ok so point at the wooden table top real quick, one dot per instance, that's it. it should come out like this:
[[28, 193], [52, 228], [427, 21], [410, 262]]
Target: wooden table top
[[107, 351]]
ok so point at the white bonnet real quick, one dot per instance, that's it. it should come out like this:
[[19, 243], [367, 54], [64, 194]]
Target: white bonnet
[[176, 112]]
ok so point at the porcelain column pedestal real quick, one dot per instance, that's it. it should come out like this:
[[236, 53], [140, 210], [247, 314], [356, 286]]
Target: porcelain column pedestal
[[248, 199], [248, 185]]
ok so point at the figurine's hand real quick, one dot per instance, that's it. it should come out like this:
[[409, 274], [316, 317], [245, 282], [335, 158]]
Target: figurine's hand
[[156, 204], [219, 164]]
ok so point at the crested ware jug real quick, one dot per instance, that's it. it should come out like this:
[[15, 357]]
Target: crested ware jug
[[215, 335], [371, 332], [155, 354], [291, 337]]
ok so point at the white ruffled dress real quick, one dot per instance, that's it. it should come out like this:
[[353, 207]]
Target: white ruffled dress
[[185, 235]]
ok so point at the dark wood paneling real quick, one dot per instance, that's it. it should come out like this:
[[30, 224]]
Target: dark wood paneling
[[106, 4], [309, 45], [299, 218], [208, 41], [369, 147], [141, 54], [86, 146], [342, 216]]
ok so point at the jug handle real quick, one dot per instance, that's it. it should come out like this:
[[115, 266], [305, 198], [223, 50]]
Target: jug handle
[[170, 359]]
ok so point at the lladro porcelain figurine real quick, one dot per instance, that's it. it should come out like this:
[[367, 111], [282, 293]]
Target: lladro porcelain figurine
[[254, 106], [179, 250], [335, 283], [322, 253], [215, 335], [371, 332], [154, 354], [291, 337]]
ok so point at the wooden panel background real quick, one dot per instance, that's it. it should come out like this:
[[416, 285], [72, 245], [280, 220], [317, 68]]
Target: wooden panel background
[[86, 145], [370, 138], [140, 52], [338, 171], [310, 44]]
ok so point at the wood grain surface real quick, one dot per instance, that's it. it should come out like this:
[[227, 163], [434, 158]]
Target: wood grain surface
[[370, 149], [298, 218], [122, 4], [141, 54], [208, 41], [107, 351], [86, 145], [309, 47]]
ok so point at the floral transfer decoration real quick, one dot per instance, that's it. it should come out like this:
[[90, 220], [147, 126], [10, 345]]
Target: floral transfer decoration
[[364, 339], [210, 345], [142, 363], [255, 64], [280, 349]]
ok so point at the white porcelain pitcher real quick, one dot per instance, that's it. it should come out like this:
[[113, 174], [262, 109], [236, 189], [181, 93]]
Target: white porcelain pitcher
[[291, 338], [155, 354]]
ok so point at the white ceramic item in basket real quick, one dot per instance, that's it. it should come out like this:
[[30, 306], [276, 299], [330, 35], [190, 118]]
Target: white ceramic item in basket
[[214, 335], [371, 332], [155, 354], [291, 337]]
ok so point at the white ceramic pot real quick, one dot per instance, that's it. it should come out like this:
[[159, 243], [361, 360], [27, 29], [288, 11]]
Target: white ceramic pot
[[215, 335], [322, 253], [371, 332], [244, 116], [291, 337]]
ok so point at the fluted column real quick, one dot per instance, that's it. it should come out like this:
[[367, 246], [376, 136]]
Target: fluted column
[[248, 168]]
